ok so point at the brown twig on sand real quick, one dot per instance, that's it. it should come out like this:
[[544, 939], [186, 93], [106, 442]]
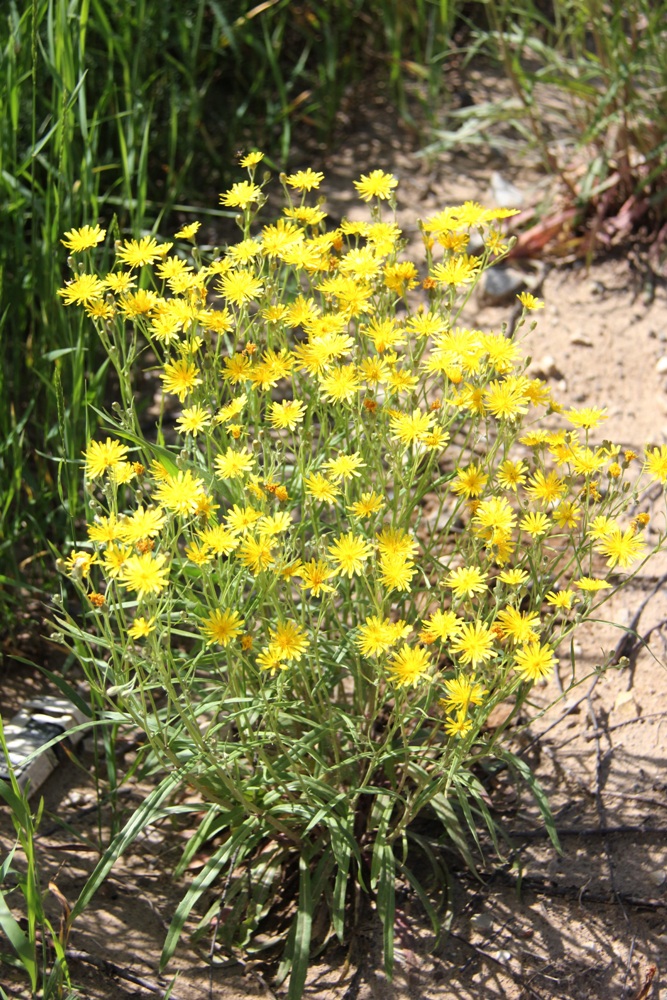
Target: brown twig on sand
[[112, 969]]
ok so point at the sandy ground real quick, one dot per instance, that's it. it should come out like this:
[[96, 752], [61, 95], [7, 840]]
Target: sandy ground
[[589, 923]]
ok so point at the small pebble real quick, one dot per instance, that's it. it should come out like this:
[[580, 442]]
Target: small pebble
[[500, 285], [505, 194], [661, 365]]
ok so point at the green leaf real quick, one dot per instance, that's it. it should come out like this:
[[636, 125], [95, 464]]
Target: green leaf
[[233, 850], [142, 818], [302, 935], [23, 947], [516, 764], [386, 903]]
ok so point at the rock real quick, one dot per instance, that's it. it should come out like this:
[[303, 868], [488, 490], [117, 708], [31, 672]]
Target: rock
[[661, 365], [500, 285], [482, 922], [504, 193], [546, 368]]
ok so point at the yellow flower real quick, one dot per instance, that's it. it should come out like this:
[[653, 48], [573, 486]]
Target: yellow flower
[[535, 524], [239, 519], [473, 644], [180, 378], [375, 636], [233, 464], [462, 692], [409, 665], [341, 383], [222, 626], [621, 547], [141, 627], [145, 574], [350, 552], [601, 526], [321, 488], [567, 514], [589, 416], [102, 456], [233, 408], [289, 640], [84, 238], [144, 523], [513, 577], [251, 159], [560, 599], [466, 581], [534, 661], [409, 428], [115, 558], [459, 270], [137, 253], [85, 289], [470, 481], [494, 518], [459, 725], [287, 413], [519, 626], [656, 463], [369, 504], [305, 180], [314, 575], [345, 466], [545, 489], [273, 524], [506, 399], [511, 475], [120, 282], [396, 542], [198, 554], [220, 540], [271, 659], [240, 286], [591, 584], [529, 301], [181, 493], [241, 195], [105, 529], [188, 232], [440, 625], [396, 572], [377, 184], [193, 419], [79, 564], [255, 553]]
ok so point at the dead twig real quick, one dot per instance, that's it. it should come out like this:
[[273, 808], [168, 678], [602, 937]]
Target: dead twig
[[112, 969]]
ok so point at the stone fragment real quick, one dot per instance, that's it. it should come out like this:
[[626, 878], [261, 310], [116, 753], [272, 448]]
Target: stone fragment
[[546, 368], [504, 193], [500, 285], [661, 365]]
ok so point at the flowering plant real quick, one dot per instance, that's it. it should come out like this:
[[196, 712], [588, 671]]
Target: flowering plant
[[354, 529]]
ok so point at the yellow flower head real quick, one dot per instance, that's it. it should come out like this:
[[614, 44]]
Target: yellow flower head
[[84, 238], [101, 456], [377, 184]]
